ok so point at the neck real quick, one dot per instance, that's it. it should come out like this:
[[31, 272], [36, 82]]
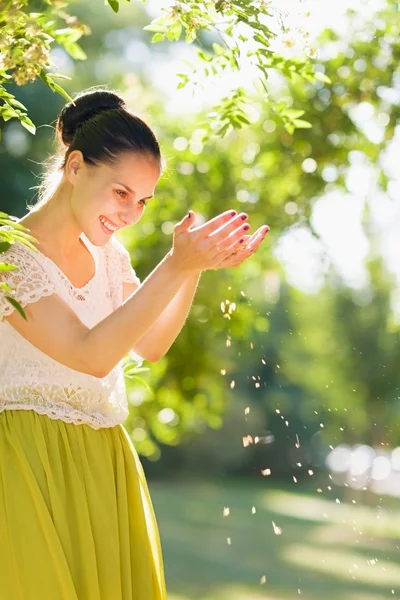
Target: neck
[[53, 224]]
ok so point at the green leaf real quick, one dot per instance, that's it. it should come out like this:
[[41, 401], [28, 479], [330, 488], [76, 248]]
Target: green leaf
[[16, 103], [293, 113], [114, 5], [57, 88], [4, 246], [223, 130], [321, 77], [299, 124], [8, 267], [155, 28], [176, 30], [27, 123], [289, 128], [59, 76], [242, 118], [218, 49], [5, 287], [158, 37], [75, 51], [139, 380], [68, 35], [17, 306]]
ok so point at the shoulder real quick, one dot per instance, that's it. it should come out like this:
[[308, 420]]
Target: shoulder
[[115, 248], [119, 263], [117, 255], [17, 253], [22, 276]]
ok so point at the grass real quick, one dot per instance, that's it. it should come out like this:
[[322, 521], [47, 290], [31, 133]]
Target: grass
[[297, 544]]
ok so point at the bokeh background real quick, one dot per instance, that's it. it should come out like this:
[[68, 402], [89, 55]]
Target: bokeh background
[[269, 433]]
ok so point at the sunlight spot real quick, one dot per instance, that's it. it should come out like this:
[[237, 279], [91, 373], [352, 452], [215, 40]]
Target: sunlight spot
[[277, 530], [266, 472], [336, 564]]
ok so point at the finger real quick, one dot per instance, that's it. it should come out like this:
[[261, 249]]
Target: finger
[[185, 223], [233, 240], [211, 226], [254, 244], [229, 227], [248, 239], [250, 245]]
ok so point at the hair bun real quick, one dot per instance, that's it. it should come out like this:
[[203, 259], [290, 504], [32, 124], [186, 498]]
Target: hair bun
[[84, 106]]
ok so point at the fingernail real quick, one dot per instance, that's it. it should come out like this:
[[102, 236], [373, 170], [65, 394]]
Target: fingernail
[[246, 227], [243, 217], [241, 241], [233, 213]]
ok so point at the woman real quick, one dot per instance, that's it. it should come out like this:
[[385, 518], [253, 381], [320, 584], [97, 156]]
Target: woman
[[76, 518]]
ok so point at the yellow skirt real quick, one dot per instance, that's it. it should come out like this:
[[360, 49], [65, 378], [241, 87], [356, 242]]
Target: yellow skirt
[[76, 518]]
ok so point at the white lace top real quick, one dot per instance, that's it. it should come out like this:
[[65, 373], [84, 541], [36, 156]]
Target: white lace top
[[29, 378]]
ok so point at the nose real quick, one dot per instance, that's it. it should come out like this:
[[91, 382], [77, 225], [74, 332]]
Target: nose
[[129, 216]]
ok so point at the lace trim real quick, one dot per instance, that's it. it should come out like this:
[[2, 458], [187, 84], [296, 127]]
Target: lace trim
[[76, 417]]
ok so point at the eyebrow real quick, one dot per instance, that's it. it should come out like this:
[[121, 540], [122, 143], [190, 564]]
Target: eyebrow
[[131, 191]]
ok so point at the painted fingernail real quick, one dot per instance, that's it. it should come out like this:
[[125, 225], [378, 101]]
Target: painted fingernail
[[233, 213], [243, 217], [241, 241], [246, 227]]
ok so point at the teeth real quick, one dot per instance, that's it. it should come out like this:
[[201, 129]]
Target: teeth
[[109, 225]]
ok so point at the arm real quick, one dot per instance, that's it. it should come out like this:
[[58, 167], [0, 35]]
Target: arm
[[162, 334], [55, 329], [98, 350]]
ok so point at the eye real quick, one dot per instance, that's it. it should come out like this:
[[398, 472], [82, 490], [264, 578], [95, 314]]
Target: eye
[[122, 193]]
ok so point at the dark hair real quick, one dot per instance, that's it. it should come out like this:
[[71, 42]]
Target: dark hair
[[98, 123]]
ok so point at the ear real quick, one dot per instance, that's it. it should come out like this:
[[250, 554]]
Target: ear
[[74, 166]]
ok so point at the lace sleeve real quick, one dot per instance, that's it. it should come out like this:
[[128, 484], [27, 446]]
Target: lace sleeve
[[128, 274], [120, 271], [119, 262], [29, 282]]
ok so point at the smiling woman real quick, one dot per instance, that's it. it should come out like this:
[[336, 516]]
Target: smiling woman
[[76, 518]]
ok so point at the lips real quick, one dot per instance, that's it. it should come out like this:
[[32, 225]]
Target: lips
[[108, 227]]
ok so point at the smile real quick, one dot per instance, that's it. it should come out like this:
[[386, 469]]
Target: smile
[[108, 226]]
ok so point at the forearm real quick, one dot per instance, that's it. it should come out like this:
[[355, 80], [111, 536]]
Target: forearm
[[162, 334], [111, 339]]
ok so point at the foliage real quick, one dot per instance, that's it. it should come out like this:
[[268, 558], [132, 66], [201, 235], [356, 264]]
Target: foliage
[[7, 238], [244, 41], [27, 38]]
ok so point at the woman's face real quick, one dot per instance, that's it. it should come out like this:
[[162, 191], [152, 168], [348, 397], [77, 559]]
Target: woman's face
[[108, 197]]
